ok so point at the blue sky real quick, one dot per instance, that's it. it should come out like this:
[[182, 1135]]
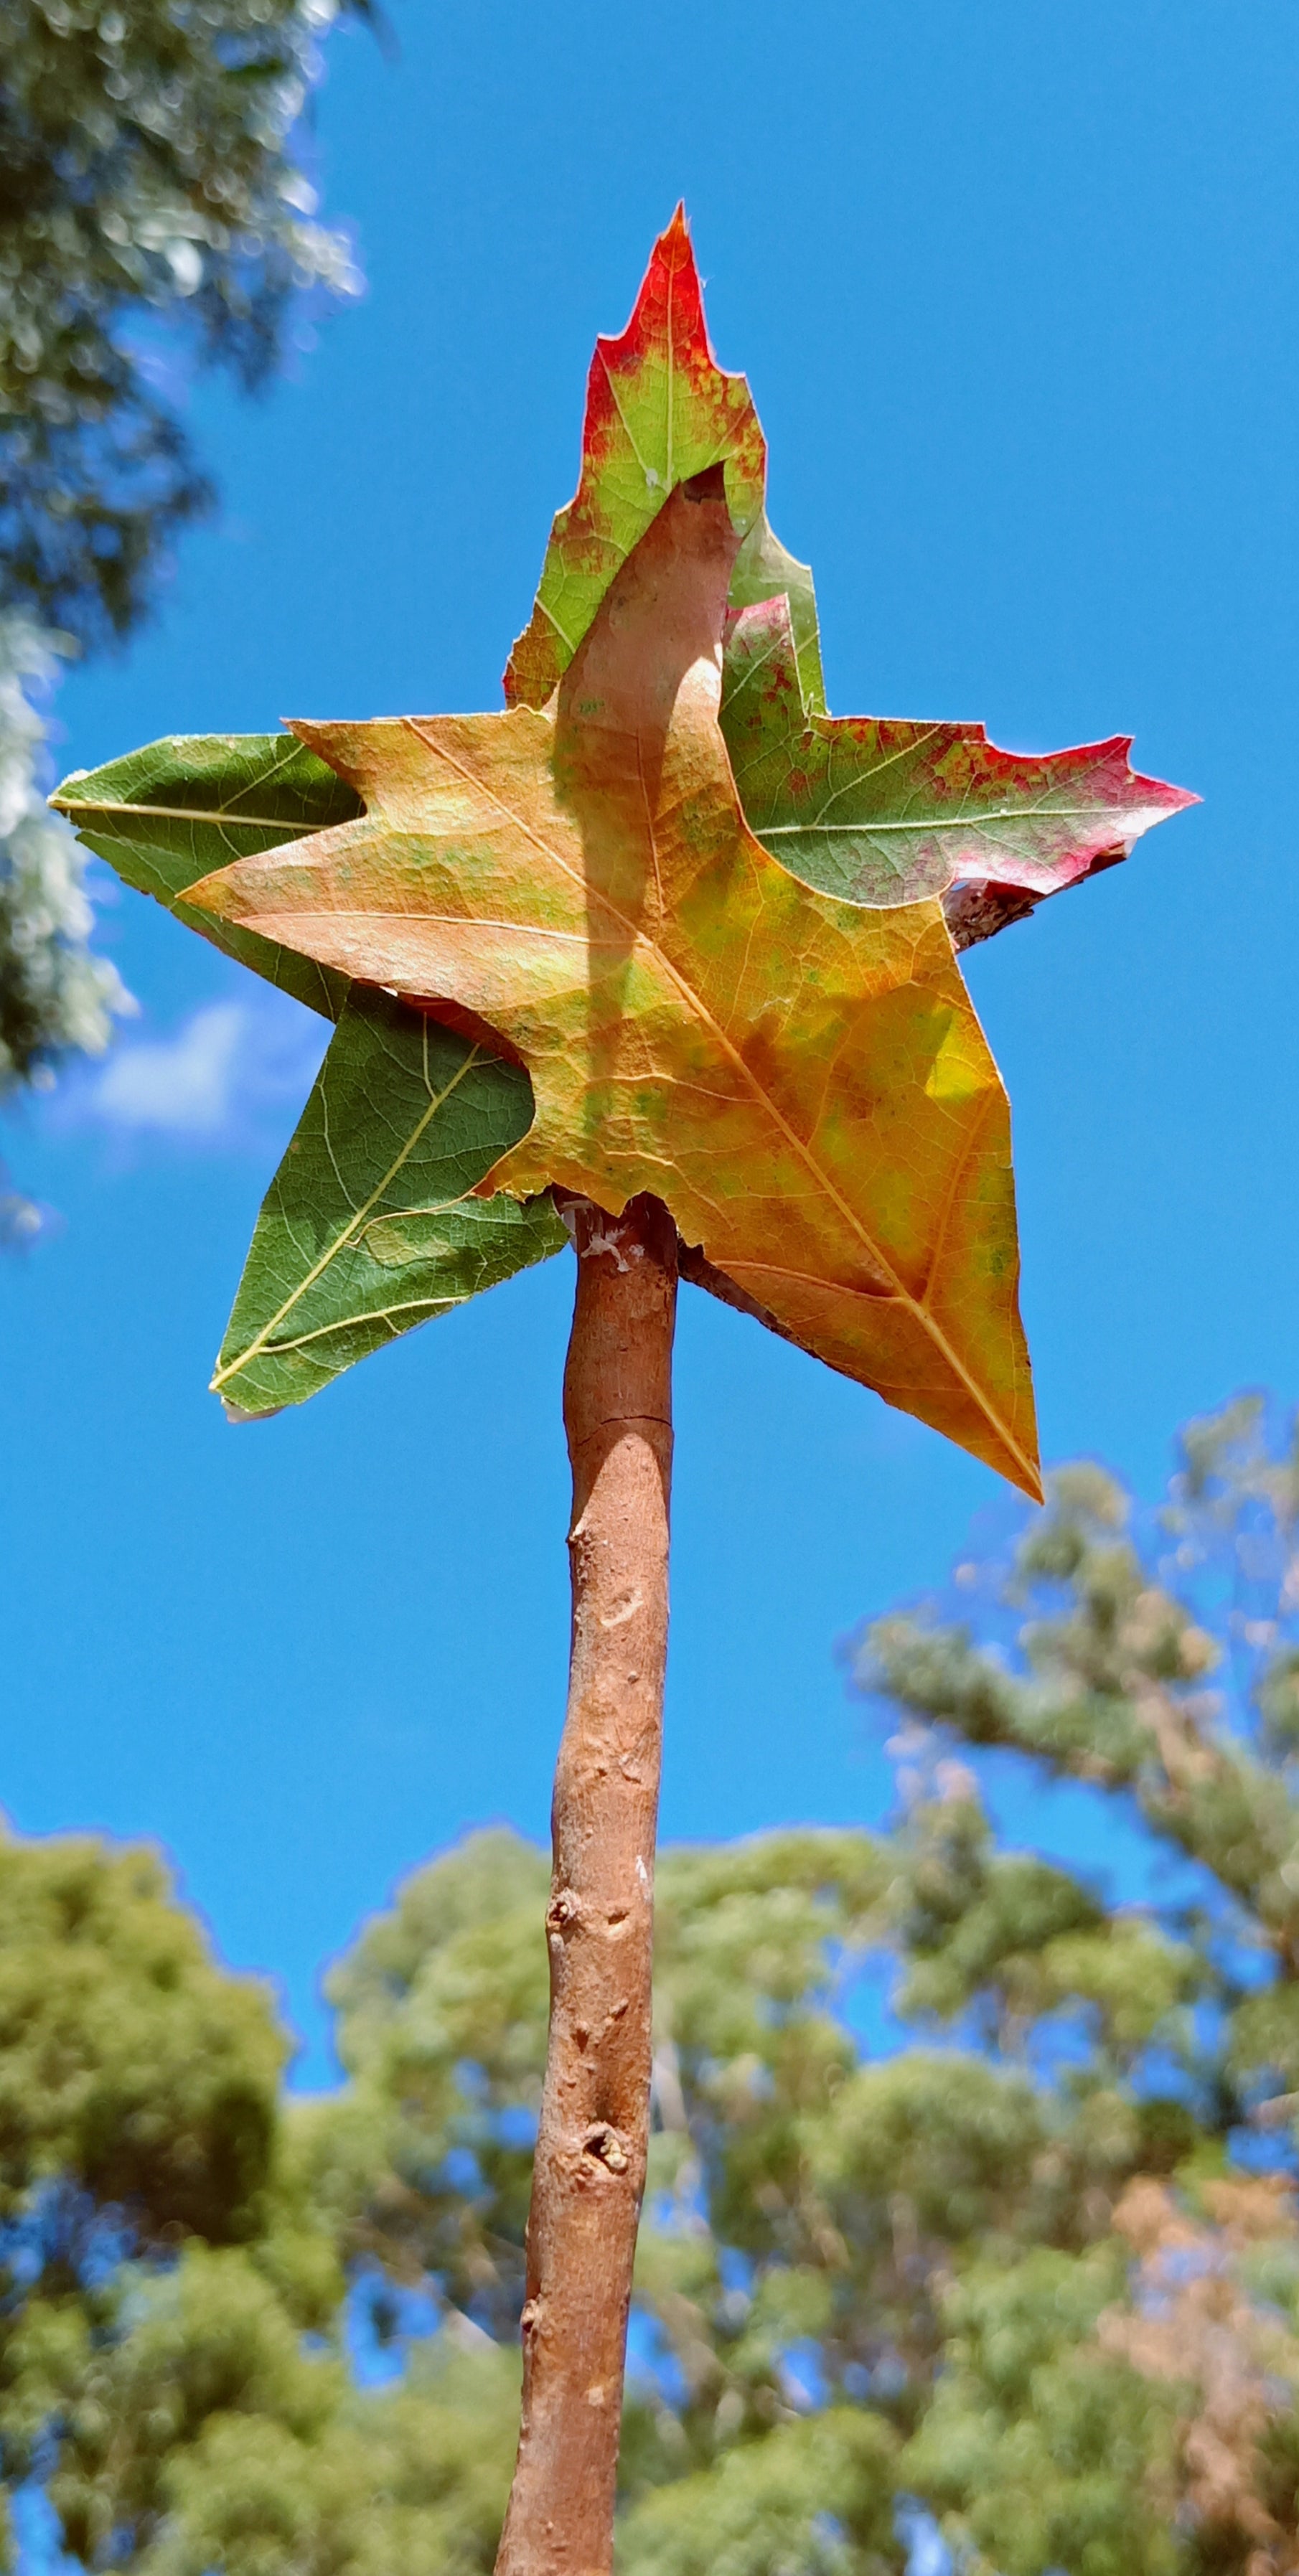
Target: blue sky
[[1016, 290]]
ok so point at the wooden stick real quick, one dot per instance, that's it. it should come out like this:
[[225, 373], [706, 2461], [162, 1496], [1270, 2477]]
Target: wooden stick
[[589, 2174]]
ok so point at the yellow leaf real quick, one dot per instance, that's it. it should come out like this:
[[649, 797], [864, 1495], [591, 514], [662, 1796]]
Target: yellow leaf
[[802, 1081]]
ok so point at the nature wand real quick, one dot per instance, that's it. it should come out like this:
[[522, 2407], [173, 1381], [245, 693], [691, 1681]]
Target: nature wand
[[663, 959]]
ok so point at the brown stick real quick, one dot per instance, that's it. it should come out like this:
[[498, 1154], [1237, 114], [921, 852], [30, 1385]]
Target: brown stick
[[589, 2173]]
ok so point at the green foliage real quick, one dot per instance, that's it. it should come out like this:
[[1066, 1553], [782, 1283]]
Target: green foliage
[[206, 2340], [881, 812], [171, 2354], [351, 1251], [369, 1226], [1109, 1686], [1038, 2268], [817, 2496], [425, 2162], [1047, 2451], [1157, 1666], [412, 2480], [150, 174], [54, 994], [166, 816], [132, 2069]]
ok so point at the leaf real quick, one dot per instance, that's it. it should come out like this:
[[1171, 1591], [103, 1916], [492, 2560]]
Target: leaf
[[766, 571], [360, 1235], [368, 1227], [731, 978], [881, 812], [802, 1081], [659, 410], [167, 815]]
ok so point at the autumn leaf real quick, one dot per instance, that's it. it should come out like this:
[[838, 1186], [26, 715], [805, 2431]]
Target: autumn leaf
[[856, 1197], [370, 1225], [767, 574], [803, 1081], [883, 812], [876, 811], [659, 410]]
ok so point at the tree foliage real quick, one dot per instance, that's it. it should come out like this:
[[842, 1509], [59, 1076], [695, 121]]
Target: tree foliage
[[1035, 2268], [152, 176], [55, 993], [154, 210]]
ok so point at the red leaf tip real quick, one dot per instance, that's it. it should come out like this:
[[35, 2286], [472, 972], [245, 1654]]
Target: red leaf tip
[[670, 302]]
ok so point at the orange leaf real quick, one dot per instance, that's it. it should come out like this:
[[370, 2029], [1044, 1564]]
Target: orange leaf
[[804, 1082]]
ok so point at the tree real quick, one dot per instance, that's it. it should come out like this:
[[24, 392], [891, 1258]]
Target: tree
[[1040, 2267], [152, 173], [54, 993], [1166, 1676], [659, 958], [152, 185], [1035, 2270], [171, 2329]]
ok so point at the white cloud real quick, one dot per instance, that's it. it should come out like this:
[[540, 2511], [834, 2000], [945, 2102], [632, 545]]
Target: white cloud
[[180, 1086], [207, 1083]]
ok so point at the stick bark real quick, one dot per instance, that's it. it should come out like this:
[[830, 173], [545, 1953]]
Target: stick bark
[[589, 2173]]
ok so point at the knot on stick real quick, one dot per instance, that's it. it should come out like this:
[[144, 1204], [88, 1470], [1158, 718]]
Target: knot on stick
[[562, 1914], [606, 2147]]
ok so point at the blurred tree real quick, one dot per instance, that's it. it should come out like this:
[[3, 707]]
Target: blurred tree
[[54, 993], [153, 210], [1123, 2393], [172, 2316], [151, 177], [1040, 2269], [1037, 2268]]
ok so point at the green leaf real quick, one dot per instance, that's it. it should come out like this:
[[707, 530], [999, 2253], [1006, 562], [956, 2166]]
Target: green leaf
[[167, 815], [880, 812], [765, 570], [368, 1226]]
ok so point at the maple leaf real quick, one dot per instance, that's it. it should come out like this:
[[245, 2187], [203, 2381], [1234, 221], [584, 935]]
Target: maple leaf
[[369, 1226], [353, 1249], [659, 410], [880, 814], [167, 815], [802, 1081]]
